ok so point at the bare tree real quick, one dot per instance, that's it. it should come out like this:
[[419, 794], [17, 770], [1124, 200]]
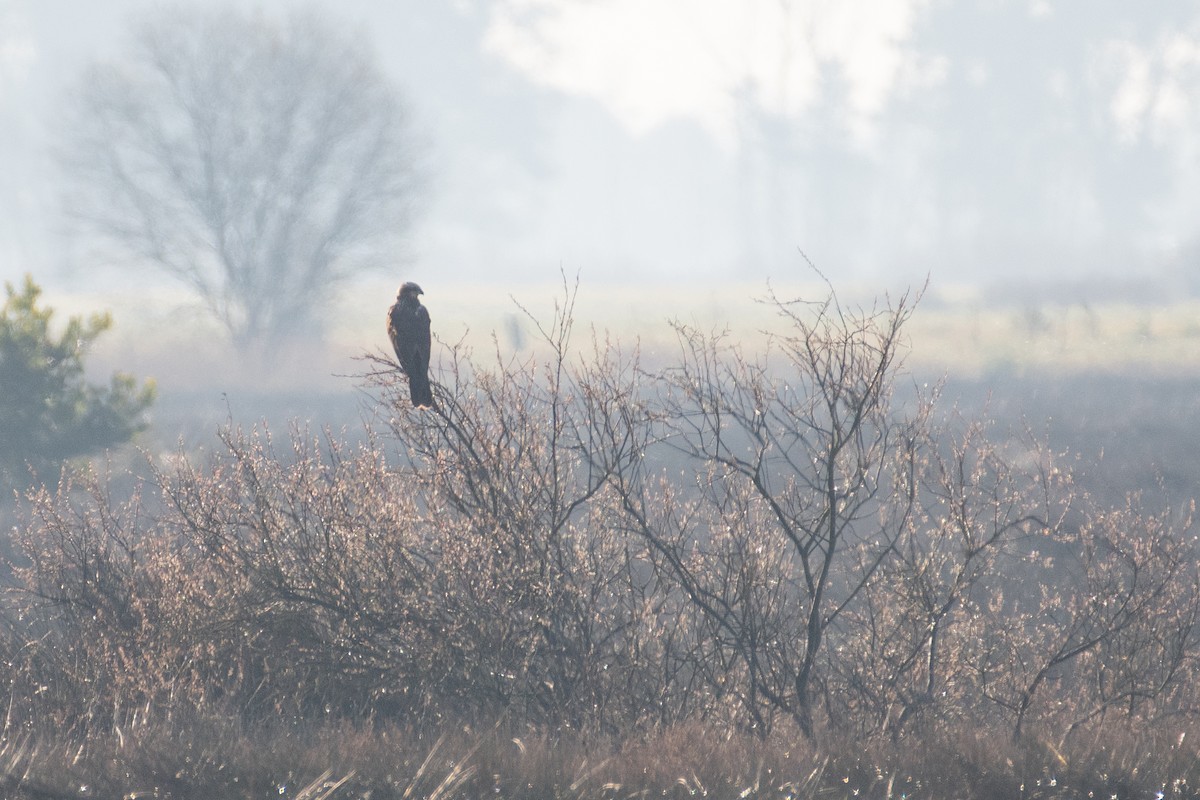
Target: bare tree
[[260, 163], [803, 467]]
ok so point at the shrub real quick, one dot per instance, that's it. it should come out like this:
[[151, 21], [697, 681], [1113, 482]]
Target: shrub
[[48, 412], [571, 546]]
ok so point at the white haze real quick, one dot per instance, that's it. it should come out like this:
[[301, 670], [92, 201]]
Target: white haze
[[1006, 146]]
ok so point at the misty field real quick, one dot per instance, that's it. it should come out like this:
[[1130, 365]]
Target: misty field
[[959, 334], [832, 549]]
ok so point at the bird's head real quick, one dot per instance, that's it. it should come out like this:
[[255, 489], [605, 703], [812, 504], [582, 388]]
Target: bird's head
[[409, 290]]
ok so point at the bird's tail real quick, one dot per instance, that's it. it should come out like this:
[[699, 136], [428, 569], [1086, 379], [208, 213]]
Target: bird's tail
[[420, 391]]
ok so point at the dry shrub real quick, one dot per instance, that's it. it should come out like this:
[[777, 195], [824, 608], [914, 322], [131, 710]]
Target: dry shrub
[[734, 575]]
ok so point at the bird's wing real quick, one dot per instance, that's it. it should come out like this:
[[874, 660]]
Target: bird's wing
[[424, 338], [395, 329]]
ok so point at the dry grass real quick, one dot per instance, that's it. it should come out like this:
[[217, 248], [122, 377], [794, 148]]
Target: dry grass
[[341, 762]]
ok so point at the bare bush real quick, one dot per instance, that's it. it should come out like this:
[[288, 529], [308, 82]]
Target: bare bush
[[1099, 619], [570, 543], [557, 619], [803, 469]]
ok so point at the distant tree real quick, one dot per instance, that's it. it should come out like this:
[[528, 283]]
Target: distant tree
[[48, 412], [259, 162]]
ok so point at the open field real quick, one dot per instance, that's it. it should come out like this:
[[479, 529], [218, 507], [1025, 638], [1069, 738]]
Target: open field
[[1113, 380], [1115, 383], [281, 662], [957, 333]]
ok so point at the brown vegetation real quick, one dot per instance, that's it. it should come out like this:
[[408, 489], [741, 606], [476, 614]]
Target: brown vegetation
[[766, 575]]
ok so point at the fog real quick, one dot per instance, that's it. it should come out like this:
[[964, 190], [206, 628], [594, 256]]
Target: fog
[[677, 157], [1038, 141], [875, 425]]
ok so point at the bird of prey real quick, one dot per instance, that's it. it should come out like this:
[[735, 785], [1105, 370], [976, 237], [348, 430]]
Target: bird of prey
[[408, 328]]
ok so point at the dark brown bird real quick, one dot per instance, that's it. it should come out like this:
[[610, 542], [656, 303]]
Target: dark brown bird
[[408, 328]]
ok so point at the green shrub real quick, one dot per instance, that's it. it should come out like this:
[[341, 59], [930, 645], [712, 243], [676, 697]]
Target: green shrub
[[48, 411]]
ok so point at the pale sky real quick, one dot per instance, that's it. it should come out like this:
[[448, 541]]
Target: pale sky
[[713, 140], [651, 61]]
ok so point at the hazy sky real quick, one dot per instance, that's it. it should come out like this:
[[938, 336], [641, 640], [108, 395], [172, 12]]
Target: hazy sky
[[980, 141], [649, 62]]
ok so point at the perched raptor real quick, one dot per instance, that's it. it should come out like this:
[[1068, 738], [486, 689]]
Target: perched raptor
[[408, 328]]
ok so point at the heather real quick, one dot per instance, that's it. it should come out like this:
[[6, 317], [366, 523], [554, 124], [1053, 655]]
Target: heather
[[786, 571]]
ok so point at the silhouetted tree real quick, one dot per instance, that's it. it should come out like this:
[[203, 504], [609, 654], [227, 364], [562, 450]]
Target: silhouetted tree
[[260, 163], [48, 412]]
